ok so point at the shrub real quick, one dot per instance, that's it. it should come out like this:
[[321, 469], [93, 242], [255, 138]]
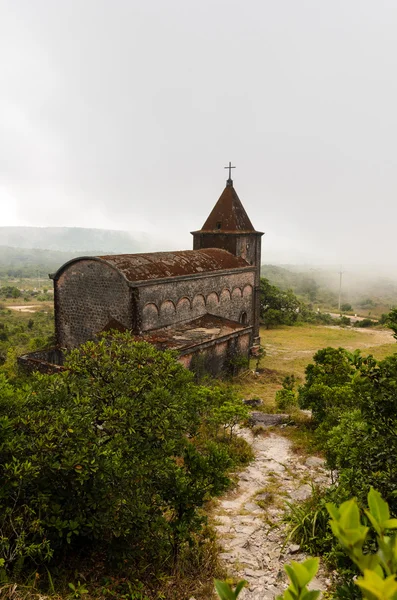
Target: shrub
[[321, 392], [343, 321], [108, 455], [285, 399], [346, 307], [365, 323]]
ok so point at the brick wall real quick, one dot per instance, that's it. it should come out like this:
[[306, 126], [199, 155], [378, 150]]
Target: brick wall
[[228, 296], [215, 357], [88, 294]]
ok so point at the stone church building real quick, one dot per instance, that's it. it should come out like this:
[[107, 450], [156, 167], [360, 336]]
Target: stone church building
[[202, 302]]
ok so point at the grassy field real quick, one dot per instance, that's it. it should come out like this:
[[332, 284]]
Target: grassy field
[[290, 349]]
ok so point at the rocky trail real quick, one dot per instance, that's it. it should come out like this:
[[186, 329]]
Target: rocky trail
[[248, 520]]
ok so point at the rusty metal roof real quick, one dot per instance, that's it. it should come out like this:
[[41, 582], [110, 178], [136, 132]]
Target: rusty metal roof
[[228, 214], [158, 265], [182, 336]]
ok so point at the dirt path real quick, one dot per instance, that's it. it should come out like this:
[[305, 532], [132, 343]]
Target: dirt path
[[31, 308], [248, 520]]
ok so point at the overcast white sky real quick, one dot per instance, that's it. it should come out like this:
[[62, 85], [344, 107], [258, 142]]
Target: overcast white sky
[[121, 114]]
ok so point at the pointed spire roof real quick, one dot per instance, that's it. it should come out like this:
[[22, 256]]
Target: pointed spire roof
[[228, 214]]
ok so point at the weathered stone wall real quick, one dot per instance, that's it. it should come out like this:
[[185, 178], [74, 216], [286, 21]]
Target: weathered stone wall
[[44, 361], [248, 246], [215, 358], [230, 296], [89, 294]]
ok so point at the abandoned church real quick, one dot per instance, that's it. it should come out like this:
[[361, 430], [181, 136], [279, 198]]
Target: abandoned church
[[203, 303]]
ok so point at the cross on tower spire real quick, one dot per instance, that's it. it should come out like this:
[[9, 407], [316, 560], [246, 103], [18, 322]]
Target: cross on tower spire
[[230, 180]]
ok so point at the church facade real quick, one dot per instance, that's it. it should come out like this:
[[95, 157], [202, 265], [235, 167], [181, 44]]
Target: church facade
[[202, 303]]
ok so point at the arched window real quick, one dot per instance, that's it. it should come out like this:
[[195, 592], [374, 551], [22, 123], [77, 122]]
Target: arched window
[[243, 318]]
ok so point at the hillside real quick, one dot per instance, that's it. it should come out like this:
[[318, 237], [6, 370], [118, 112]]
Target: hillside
[[26, 251], [367, 291], [26, 263], [70, 239]]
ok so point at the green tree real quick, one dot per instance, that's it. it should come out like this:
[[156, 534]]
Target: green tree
[[391, 321], [108, 454], [278, 307], [327, 382], [346, 307]]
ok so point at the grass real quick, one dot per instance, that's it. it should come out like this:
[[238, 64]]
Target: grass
[[290, 349]]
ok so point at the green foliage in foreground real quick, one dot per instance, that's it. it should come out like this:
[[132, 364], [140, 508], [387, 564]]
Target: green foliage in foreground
[[354, 404], [378, 580], [115, 456]]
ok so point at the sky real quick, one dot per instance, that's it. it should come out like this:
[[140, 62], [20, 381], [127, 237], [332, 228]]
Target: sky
[[122, 114]]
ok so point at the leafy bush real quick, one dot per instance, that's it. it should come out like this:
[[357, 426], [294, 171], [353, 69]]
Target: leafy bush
[[332, 370], [365, 323], [343, 321], [346, 307], [286, 398], [109, 455], [9, 291], [354, 403]]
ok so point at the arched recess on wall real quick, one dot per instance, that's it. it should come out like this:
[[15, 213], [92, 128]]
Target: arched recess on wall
[[198, 305], [167, 311], [225, 296], [212, 302], [183, 309], [247, 291], [150, 315], [236, 293], [243, 318]]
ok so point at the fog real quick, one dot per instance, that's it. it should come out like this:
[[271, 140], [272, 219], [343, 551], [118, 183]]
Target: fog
[[122, 114]]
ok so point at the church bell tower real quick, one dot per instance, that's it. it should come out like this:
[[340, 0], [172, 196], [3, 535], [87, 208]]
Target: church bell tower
[[229, 227]]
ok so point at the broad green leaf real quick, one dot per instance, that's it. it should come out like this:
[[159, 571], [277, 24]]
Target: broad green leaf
[[224, 590], [289, 569], [311, 565], [390, 524], [240, 586], [368, 561], [288, 595], [383, 589], [311, 595], [372, 583], [374, 522], [378, 507], [333, 511], [302, 574], [349, 515]]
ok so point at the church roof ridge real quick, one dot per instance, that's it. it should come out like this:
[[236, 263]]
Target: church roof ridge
[[228, 214], [160, 265]]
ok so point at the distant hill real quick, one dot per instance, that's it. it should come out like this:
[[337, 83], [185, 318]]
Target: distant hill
[[29, 251], [368, 291], [73, 239], [24, 262]]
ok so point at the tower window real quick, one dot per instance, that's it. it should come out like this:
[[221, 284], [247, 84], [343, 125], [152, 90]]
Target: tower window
[[218, 224], [243, 318]]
